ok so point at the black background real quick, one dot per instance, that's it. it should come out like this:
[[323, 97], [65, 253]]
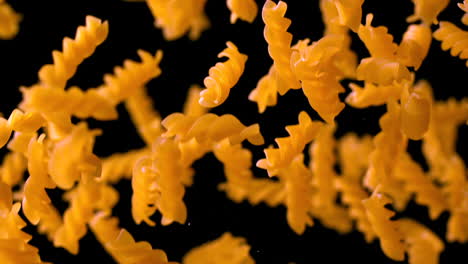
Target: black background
[[210, 213]]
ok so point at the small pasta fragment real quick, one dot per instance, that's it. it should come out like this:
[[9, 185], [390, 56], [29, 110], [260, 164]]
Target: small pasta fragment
[[391, 238], [273, 193], [225, 249], [120, 165], [349, 13], [424, 247], [415, 112], [13, 166], [353, 153], [464, 7], [243, 9], [427, 11], [76, 50], [289, 147], [279, 43], [374, 95], [191, 105], [378, 41], [266, 92], [382, 71], [9, 21], [453, 39], [414, 45], [223, 76]]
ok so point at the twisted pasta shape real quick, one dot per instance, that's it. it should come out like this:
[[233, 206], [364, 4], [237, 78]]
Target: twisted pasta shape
[[191, 105], [330, 18], [176, 18], [415, 181], [144, 198], [243, 9], [415, 112], [265, 94], [391, 238], [237, 162], [12, 169], [378, 41], [349, 13], [225, 249], [9, 21], [464, 7], [423, 245], [297, 180], [121, 85], [15, 251], [19, 143], [427, 11], [120, 165], [120, 244], [21, 122], [223, 76], [289, 147], [273, 193], [353, 153], [37, 206], [190, 151], [145, 118], [352, 195], [76, 50], [382, 71], [73, 101], [453, 39], [374, 95], [279, 43], [414, 45], [210, 128]]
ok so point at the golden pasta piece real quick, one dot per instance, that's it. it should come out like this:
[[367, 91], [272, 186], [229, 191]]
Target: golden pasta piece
[[190, 151], [424, 246], [120, 244], [464, 7], [210, 128], [191, 105], [121, 85], [25, 122], [415, 45], [289, 147], [243, 9], [144, 198], [223, 76], [76, 50], [9, 21], [20, 142], [378, 41], [353, 153], [279, 43], [415, 113], [453, 39], [427, 10], [266, 92], [382, 71], [349, 13], [5, 131], [330, 17], [374, 95], [13, 166], [417, 182], [391, 238], [273, 193], [120, 165], [225, 249]]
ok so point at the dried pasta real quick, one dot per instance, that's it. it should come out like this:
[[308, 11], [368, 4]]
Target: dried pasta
[[9, 21], [243, 9], [464, 7], [453, 39], [427, 10], [415, 45]]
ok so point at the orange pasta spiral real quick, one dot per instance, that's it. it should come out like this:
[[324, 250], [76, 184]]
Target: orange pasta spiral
[[273, 193], [382, 71], [414, 45], [374, 95], [223, 76], [279, 43], [353, 153], [265, 94], [76, 50], [391, 239], [210, 128], [464, 7], [120, 165], [453, 39], [427, 10], [289, 147], [243, 9], [225, 249], [378, 41], [349, 13], [19, 121], [415, 112], [191, 105], [9, 21], [12, 169]]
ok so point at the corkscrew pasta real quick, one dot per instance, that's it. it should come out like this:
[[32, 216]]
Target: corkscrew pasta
[[453, 39], [243, 9]]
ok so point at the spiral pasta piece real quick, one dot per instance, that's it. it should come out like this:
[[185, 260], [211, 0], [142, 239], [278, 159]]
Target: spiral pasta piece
[[391, 238], [330, 18], [464, 7], [353, 153], [223, 76], [289, 147], [415, 45], [12, 169], [144, 198], [237, 162], [191, 105], [427, 11], [374, 95], [415, 113], [19, 143], [423, 245], [19, 121], [382, 71], [273, 193], [120, 244], [243, 9], [145, 118], [75, 51], [73, 101], [225, 249], [9, 21], [120, 165], [121, 85], [453, 39], [210, 128], [279, 43], [349, 13], [190, 151], [265, 94], [417, 182], [15, 251], [378, 41]]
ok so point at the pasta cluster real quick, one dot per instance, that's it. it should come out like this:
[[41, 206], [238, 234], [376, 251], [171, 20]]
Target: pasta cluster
[[347, 182]]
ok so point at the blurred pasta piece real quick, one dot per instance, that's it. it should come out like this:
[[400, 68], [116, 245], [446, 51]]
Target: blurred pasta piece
[[453, 39], [9, 21], [427, 11], [243, 9]]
